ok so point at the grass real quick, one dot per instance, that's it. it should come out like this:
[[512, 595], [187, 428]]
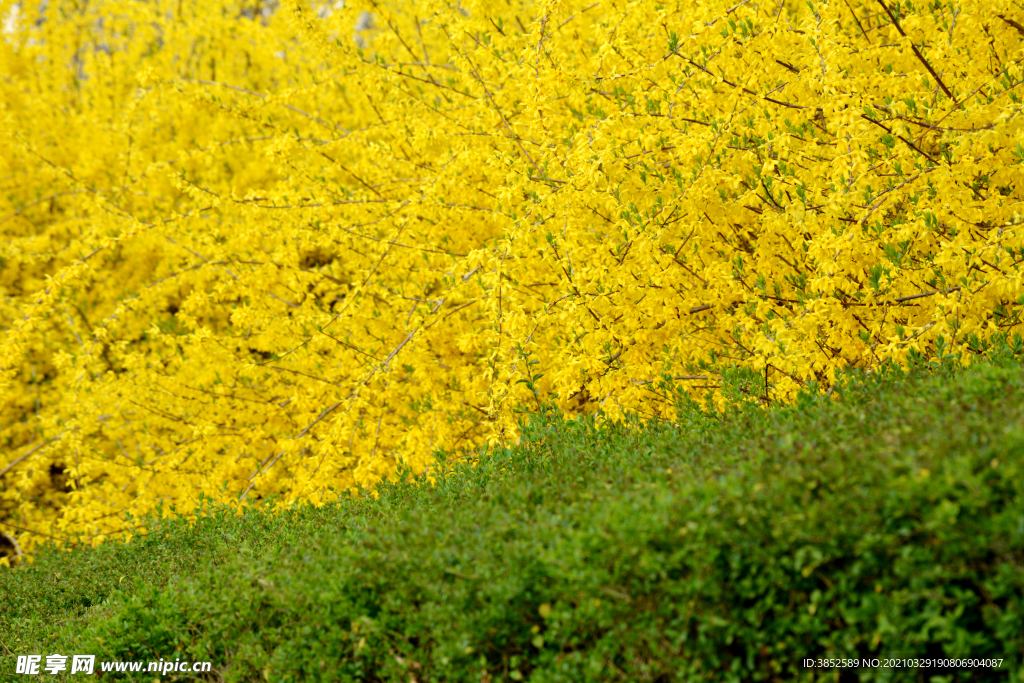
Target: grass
[[888, 520]]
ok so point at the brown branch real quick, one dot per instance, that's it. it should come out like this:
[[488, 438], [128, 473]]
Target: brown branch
[[788, 66], [863, 32], [1011, 22], [746, 90], [37, 533], [24, 455], [376, 437], [508, 127], [919, 55], [885, 194], [677, 377], [908, 142], [38, 201], [263, 96], [924, 294]]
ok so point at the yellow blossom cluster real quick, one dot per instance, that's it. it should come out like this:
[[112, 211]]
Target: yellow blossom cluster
[[256, 250]]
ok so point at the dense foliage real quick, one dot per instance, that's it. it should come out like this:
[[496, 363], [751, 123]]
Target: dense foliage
[[252, 251], [726, 548]]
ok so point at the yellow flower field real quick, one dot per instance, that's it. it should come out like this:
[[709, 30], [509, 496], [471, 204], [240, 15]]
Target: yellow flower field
[[255, 251]]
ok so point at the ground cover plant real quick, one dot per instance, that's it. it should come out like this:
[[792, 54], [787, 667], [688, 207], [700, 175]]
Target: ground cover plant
[[254, 250], [887, 518]]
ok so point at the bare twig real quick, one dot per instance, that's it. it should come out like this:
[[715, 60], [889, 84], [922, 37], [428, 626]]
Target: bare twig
[[1011, 22], [920, 56], [24, 455], [919, 332], [38, 201], [264, 96], [37, 533], [863, 32], [677, 377], [924, 294], [376, 436]]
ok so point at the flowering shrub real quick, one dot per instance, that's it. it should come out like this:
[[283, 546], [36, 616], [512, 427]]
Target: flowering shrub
[[257, 251]]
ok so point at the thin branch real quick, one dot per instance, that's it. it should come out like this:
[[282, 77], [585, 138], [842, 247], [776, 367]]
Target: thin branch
[[24, 455], [263, 96], [38, 201], [863, 32], [376, 437], [919, 55], [735, 85], [1011, 22], [924, 294], [677, 377], [37, 533]]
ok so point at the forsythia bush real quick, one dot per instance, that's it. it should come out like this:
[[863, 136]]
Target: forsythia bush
[[254, 250]]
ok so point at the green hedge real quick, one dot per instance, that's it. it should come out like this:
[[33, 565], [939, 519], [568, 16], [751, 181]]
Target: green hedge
[[725, 548]]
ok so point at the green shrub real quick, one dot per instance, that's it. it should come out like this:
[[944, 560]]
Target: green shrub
[[728, 547]]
